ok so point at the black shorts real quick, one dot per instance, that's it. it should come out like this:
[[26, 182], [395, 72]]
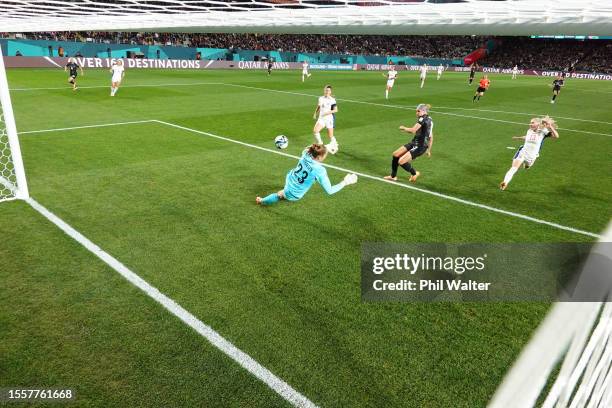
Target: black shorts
[[415, 151], [556, 89], [73, 75], [481, 89]]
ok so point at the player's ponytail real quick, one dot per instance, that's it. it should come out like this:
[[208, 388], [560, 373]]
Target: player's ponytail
[[317, 150], [547, 120]]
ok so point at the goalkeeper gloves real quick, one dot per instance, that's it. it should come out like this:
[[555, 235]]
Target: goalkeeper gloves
[[350, 179]]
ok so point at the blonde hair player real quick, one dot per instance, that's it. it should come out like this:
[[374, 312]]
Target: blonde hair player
[[391, 76], [421, 143], [308, 170], [325, 115], [539, 129], [118, 72]]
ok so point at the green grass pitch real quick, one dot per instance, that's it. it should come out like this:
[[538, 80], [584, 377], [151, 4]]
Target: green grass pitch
[[282, 283]]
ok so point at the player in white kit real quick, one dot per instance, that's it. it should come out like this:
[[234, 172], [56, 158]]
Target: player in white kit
[[118, 72], [391, 75], [305, 73], [514, 71], [325, 115], [440, 70], [539, 129], [423, 70]]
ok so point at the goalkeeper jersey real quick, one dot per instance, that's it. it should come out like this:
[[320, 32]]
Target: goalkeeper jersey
[[302, 177]]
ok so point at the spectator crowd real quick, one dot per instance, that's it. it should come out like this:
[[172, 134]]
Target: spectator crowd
[[551, 54]]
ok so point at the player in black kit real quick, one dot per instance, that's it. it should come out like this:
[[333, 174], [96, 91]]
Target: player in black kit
[[73, 66], [270, 67], [557, 84], [473, 68], [421, 143]]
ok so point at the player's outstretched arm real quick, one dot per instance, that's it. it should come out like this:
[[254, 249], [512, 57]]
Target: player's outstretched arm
[[518, 137], [431, 140], [316, 112], [553, 132], [323, 179]]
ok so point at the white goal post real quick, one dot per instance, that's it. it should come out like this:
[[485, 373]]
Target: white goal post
[[12, 174]]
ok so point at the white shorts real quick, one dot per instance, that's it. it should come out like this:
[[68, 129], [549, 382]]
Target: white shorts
[[390, 83], [423, 76], [116, 78], [304, 72], [327, 121], [439, 73], [525, 156]]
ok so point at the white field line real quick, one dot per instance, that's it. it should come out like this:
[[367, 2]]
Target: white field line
[[523, 113], [85, 127], [409, 108], [246, 361], [122, 86], [368, 176], [346, 100]]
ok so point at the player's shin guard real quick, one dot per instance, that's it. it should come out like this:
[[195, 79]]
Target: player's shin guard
[[394, 166], [408, 167], [509, 174], [271, 199]]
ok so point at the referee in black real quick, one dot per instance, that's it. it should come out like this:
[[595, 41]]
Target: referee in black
[[472, 73], [421, 143]]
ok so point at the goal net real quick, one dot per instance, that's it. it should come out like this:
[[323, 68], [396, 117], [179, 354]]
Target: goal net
[[12, 175], [430, 17], [568, 362]]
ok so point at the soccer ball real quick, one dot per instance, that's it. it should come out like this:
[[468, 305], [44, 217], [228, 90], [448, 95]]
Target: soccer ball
[[281, 142]]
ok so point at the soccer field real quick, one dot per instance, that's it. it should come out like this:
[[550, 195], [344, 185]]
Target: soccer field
[[163, 177]]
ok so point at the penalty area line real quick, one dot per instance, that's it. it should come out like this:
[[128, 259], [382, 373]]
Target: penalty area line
[[86, 126], [410, 108], [244, 360], [407, 186]]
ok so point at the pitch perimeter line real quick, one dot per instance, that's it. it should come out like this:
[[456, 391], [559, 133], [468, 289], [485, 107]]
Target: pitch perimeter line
[[409, 108], [122, 86], [368, 176], [346, 100], [245, 361]]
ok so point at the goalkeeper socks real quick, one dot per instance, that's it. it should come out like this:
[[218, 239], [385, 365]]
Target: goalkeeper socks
[[271, 199], [318, 138], [394, 166], [408, 167], [510, 174], [554, 96]]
